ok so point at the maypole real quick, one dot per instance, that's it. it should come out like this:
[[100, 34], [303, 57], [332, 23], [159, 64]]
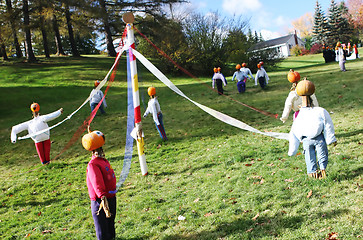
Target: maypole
[[128, 18]]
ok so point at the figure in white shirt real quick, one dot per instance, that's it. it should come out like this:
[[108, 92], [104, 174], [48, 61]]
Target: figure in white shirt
[[261, 76], [38, 123], [314, 128], [218, 79], [96, 97], [153, 107], [293, 100], [341, 57]]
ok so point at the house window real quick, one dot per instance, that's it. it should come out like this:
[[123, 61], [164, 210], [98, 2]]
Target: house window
[[290, 46]]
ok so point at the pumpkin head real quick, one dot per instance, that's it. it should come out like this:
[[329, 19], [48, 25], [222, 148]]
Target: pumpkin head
[[244, 64], [293, 76], [238, 66], [219, 69], [261, 63], [305, 88], [339, 44], [35, 107], [93, 140], [215, 70], [97, 83], [258, 66], [151, 91]]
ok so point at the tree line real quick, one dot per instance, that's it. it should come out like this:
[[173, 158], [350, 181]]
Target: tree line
[[340, 24], [71, 27], [64, 27]]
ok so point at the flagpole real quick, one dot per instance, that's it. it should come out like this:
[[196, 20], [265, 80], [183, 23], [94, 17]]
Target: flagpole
[[128, 18]]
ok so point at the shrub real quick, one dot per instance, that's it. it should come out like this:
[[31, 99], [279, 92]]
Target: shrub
[[296, 50], [316, 48]]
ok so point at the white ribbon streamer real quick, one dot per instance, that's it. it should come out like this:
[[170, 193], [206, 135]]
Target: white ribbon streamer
[[102, 83], [220, 116]]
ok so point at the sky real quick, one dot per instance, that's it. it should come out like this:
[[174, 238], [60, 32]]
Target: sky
[[271, 18]]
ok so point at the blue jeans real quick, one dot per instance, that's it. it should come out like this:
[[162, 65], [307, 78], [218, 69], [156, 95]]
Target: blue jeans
[[315, 147], [93, 106], [160, 127], [241, 86], [105, 227]]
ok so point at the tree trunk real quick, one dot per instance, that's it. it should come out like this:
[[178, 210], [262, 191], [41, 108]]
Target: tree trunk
[[2, 49], [75, 52], [110, 48], [45, 38], [28, 40], [57, 36], [19, 54]]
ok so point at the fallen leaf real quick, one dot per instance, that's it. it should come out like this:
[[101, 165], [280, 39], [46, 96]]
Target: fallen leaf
[[289, 180], [47, 231], [262, 181], [39, 213], [166, 179], [20, 210], [196, 200], [208, 214], [28, 235], [332, 236], [158, 217], [270, 164], [322, 230], [181, 218], [249, 230], [299, 153], [248, 164], [310, 193], [159, 146], [255, 217]]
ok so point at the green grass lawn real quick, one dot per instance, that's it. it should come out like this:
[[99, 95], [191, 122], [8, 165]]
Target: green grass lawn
[[226, 182]]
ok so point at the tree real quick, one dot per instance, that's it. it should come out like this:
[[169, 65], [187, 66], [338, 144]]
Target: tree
[[12, 20], [28, 41], [355, 8], [205, 35], [75, 52], [107, 29], [41, 5], [303, 25], [320, 25]]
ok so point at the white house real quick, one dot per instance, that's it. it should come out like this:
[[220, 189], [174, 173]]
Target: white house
[[282, 45]]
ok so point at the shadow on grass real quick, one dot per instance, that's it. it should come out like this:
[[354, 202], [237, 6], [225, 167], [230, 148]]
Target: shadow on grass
[[247, 229], [349, 134]]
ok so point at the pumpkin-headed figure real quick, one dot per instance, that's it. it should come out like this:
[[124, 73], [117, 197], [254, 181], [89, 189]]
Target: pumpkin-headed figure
[[93, 140], [305, 88]]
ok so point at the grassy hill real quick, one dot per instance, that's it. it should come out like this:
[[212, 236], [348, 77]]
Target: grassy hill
[[226, 182]]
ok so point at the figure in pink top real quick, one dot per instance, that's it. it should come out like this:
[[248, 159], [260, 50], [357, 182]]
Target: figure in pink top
[[101, 183]]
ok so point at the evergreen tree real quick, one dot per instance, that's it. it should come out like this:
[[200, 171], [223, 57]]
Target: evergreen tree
[[320, 25], [333, 20], [345, 29]]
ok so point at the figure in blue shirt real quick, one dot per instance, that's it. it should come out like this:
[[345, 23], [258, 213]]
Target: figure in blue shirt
[[314, 128], [241, 79]]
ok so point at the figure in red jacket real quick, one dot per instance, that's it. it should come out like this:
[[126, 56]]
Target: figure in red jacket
[[101, 183]]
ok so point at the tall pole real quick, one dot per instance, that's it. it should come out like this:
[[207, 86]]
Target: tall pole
[[128, 18]]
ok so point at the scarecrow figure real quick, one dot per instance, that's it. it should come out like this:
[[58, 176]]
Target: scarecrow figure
[[314, 128], [95, 97], [261, 76], [101, 184], [153, 107], [293, 100], [241, 79], [38, 123], [218, 79]]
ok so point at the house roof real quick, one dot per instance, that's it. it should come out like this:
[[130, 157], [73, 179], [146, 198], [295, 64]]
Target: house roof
[[272, 42]]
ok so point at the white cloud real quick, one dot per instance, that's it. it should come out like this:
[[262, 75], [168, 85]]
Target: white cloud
[[267, 34], [241, 6]]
